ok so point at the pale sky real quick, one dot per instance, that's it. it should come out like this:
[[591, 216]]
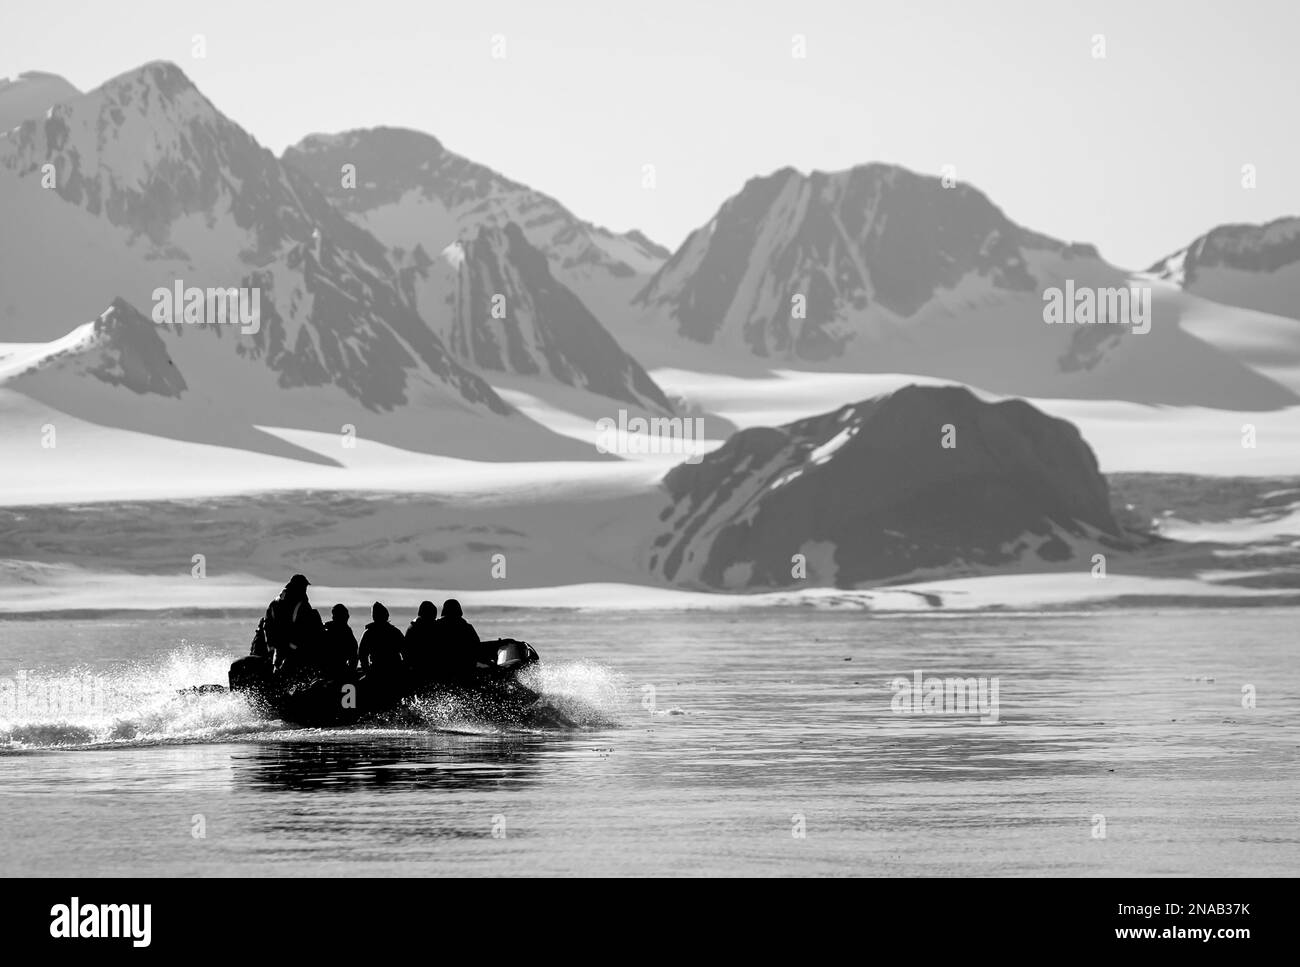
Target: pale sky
[[1137, 153]]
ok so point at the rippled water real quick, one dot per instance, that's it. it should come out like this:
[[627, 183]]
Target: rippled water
[[697, 744]]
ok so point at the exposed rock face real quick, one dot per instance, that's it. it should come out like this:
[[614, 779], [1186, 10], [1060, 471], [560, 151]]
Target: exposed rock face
[[873, 236], [880, 270], [868, 493], [147, 149], [410, 190], [30, 95], [326, 320], [1251, 248], [200, 202], [1250, 266], [121, 348], [496, 304]]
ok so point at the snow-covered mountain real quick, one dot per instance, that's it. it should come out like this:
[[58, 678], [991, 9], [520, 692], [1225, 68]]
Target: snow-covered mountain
[[333, 362], [327, 319], [864, 247], [1241, 284], [408, 190], [156, 188], [495, 302], [1251, 266], [878, 269], [153, 184], [30, 95], [184, 185], [869, 492]]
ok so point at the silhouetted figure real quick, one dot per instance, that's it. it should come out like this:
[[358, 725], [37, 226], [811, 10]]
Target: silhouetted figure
[[457, 642], [259, 647], [340, 643], [292, 629], [380, 653], [421, 645]]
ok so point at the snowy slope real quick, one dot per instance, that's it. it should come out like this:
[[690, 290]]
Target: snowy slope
[[1251, 266], [877, 269], [65, 265], [120, 348], [1241, 285], [1126, 436], [872, 245], [168, 181], [155, 187], [358, 386]]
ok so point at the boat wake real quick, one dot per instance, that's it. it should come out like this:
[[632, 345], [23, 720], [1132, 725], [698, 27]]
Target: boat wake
[[144, 704]]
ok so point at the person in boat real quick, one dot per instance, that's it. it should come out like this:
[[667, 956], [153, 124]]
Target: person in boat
[[458, 642], [340, 643], [421, 644], [292, 629], [260, 648], [380, 652]]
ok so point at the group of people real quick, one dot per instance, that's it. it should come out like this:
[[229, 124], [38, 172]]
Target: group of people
[[300, 645]]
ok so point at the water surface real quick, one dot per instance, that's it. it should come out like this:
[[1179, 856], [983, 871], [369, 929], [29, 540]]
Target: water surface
[[761, 743]]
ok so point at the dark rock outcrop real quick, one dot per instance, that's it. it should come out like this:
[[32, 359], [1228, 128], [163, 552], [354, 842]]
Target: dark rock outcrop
[[123, 348], [869, 492]]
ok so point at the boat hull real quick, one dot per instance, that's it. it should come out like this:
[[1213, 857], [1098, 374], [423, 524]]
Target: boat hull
[[492, 691]]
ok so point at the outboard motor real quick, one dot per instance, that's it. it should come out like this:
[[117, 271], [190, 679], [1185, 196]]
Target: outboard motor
[[512, 654]]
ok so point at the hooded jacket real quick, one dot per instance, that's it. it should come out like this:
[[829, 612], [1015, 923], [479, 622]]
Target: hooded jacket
[[458, 642], [381, 645], [341, 645], [421, 643], [292, 629]]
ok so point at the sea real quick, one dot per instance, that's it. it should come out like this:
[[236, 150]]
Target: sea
[[774, 742]]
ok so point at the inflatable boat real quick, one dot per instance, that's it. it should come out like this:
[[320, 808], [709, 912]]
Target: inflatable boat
[[492, 691]]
